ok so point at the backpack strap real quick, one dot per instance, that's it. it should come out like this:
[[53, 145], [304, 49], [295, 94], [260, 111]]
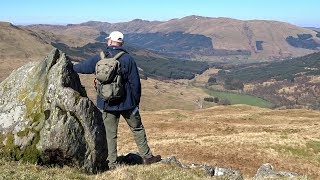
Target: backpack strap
[[102, 55], [117, 56]]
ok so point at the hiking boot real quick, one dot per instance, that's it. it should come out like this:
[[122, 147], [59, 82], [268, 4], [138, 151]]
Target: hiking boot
[[152, 159]]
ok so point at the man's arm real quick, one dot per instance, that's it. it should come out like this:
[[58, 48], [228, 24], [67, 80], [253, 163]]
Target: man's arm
[[87, 66]]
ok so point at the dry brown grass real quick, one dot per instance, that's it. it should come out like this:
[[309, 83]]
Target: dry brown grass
[[18, 170], [240, 137]]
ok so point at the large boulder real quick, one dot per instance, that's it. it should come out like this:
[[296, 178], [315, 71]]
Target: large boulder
[[46, 116]]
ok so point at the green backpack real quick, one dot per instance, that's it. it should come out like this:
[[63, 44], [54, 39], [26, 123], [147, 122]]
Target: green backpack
[[109, 82]]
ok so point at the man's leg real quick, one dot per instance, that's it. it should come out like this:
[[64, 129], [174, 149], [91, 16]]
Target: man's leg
[[111, 121], [134, 121]]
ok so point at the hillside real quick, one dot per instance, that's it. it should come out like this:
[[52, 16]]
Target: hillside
[[19, 46], [70, 35], [230, 38], [287, 69], [20, 43]]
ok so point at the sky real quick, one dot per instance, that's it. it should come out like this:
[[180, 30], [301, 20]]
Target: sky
[[303, 13]]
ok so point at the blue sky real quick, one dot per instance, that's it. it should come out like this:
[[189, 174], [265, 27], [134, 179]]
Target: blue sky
[[298, 12]]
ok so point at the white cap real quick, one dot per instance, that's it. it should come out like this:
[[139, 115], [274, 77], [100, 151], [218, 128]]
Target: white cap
[[115, 36]]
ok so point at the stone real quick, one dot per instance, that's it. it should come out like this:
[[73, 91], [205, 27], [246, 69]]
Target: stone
[[219, 172], [267, 171], [46, 116]]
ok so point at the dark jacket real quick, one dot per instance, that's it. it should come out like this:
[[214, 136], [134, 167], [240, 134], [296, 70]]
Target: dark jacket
[[130, 75]]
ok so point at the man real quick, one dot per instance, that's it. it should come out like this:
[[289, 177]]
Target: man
[[126, 106]]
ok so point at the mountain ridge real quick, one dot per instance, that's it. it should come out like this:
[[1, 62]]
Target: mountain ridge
[[265, 39]]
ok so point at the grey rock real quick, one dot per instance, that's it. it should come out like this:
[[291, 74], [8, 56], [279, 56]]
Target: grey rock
[[267, 171], [45, 116], [228, 173], [224, 173]]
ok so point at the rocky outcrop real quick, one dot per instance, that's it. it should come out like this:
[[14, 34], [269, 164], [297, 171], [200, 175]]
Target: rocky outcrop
[[266, 171], [46, 117]]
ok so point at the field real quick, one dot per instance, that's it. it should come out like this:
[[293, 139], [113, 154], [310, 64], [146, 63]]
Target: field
[[240, 98]]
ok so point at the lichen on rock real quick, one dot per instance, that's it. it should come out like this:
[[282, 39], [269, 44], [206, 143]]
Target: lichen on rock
[[46, 116]]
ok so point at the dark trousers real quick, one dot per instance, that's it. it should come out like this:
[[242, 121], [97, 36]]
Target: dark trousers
[[111, 122]]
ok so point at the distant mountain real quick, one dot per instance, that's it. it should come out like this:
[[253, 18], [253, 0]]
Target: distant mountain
[[316, 30], [313, 28], [199, 37]]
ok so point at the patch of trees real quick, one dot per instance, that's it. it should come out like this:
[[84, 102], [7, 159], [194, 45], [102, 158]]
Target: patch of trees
[[83, 52], [222, 102], [301, 93], [225, 52], [170, 68], [279, 70], [233, 84], [211, 99], [212, 80], [166, 42], [303, 41], [259, 45]]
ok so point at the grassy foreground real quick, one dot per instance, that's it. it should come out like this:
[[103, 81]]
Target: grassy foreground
[[239, 137], [17, 170]]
